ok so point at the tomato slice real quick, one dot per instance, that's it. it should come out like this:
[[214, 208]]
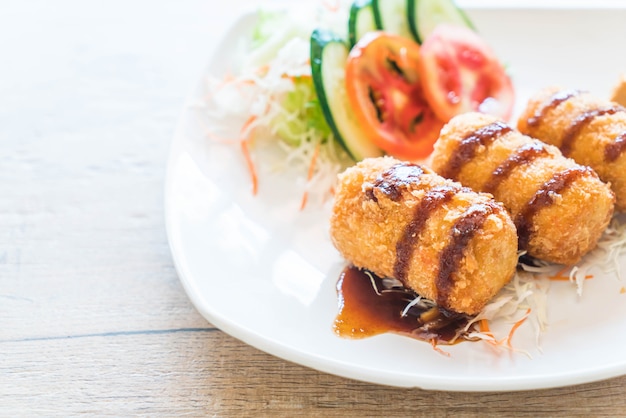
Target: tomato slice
[[386, 94], [461, 73]]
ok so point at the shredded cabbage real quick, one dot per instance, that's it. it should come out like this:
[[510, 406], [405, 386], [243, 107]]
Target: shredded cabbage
[[528, 290], [272, 98], [524, 298], [301, 111]]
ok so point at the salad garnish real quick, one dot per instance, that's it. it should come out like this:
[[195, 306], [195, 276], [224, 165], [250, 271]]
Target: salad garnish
[[295, 90]]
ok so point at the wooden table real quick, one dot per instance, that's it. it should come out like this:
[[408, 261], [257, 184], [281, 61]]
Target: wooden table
[[93, 318]]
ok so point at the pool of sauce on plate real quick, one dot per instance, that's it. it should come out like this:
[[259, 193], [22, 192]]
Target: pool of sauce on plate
[[366, 309]]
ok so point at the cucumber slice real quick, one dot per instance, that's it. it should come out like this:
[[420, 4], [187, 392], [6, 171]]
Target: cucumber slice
[[392, 16], [424, 15], [328, 61], [361, 20]]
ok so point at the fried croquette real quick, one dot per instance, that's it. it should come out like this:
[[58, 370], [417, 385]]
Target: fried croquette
[[585, 128], [560, 208], [440, 239]]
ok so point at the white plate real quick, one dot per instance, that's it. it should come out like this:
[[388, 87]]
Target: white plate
[[265, 272]]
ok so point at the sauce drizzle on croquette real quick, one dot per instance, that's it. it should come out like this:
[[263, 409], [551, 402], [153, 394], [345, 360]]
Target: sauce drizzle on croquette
[[555, 100], [582, 120], [461, 234], [615, 148], [544, 197], [467, 148], [525, 154], [393, 180], [612, 151], [432, 200]]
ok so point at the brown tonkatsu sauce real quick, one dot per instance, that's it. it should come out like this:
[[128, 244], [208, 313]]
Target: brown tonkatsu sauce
[[432, 200], [612, 150], [467, 147], [525, 154], [461, 234], [615, 148], [545, 197], [394, 179], [580, 122], [399, 176], [367, 308], [555, 100]]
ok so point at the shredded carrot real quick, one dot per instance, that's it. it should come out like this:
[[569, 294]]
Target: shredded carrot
[[622, 290], [305, 198], [246, 126], [313, 161], [226, 81], [331, 193], [332, 6], [267, 109], [263, 69], [234, 81], [483, 326], [305, 195], [559, 274], [245, 81], [561, 278], [240, 83], [222, 83], [295, 77], [228, 78], [246, 133], [515, 327], [251, 168], [433, 342]]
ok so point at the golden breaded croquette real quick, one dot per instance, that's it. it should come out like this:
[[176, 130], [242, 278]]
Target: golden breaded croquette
[[585, 128], [560, 208], [440, 239]]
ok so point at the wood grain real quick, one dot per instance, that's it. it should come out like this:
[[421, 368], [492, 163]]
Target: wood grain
[[93, 319], [202, 371]]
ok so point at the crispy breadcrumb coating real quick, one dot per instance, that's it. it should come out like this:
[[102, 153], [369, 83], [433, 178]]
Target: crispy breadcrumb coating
[[560, 208], [442, 240], [590, 130]]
